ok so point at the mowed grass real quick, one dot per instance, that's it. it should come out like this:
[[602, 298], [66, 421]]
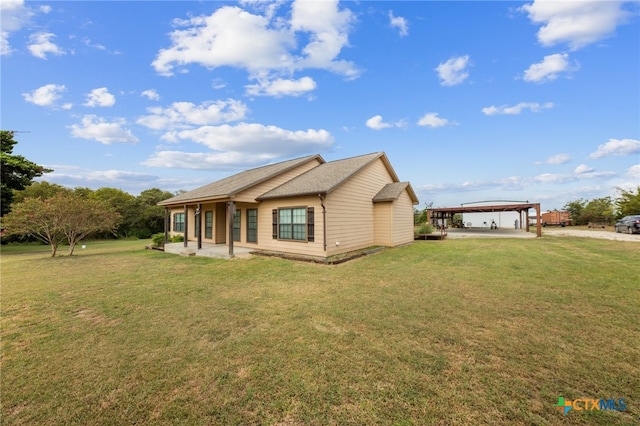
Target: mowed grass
[[454, 332]]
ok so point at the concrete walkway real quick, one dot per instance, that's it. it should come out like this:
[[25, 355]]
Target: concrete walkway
[[220, 251]]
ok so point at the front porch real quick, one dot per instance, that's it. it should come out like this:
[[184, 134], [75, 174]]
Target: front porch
[[220, 251]]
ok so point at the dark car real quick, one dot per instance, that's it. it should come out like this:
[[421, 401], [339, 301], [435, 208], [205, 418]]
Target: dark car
[[630, 224]]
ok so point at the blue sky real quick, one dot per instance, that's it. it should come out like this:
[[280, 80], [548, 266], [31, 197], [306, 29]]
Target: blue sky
[[471, 101]]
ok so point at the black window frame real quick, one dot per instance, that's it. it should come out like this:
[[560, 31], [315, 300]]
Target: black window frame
[[252, 231], [178, 225], [286, 228], [208, 224]]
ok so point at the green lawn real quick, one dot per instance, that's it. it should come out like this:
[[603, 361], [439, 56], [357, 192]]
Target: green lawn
[[456, 332]]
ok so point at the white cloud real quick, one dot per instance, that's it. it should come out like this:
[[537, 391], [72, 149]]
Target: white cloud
[[151, 94], [257, 138], [432, 119], [186, 114], [240, 145], [400, 23], [617, 147], [582, 169], [376, 123], [577, 23], [516, 109], [549, 69], [207, 160], [96, 128], [282, 87], [46, 95], [556, 159], [453, 71], [13, 16], [100, 98], [40, 45], [263, 45], [634, 172]]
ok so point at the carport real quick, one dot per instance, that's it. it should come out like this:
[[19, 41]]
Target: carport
[[444, 213]]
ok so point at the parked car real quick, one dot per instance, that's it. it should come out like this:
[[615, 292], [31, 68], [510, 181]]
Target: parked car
[[630, 224]]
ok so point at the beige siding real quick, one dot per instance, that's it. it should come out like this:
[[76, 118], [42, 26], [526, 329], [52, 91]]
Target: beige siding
[[265, 236], [383, 223], [402, 220], [252, 193], [350, 210]]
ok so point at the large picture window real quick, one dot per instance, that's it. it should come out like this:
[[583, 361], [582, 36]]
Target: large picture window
[[178, 222], [293, 224]]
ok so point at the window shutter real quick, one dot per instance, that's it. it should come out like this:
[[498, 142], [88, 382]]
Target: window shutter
[[274, 224], [310, 225]]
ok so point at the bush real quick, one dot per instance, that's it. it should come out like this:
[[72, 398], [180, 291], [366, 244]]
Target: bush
[[158, 240], [177, 239], [425, 228]]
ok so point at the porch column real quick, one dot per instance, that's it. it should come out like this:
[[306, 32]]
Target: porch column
[[167, 221], [231, 210], [199, 227], [538, 220], [186, 225]]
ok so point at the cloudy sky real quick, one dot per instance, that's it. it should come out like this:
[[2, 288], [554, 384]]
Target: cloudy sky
[[471, 101]]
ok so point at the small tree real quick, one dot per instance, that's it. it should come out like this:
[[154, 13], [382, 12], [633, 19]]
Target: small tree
[[628, 202], [598, 210], [36, 218], [576, 209], [65, 216]]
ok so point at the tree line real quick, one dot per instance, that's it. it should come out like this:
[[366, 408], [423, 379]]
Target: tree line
[[54, 214], [605, 210]]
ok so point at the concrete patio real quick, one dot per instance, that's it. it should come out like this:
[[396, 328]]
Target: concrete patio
[[220, 251]]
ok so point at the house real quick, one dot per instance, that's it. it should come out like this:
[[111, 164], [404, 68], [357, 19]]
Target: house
[[304, 207]]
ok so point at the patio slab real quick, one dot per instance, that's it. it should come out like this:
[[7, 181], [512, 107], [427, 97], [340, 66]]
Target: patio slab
[[220, 251]]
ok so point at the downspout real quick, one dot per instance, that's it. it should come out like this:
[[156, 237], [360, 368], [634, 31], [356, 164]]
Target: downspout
[[324, 223]]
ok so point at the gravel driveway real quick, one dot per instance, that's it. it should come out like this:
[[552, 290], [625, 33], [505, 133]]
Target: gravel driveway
[[604, 235], [554, 232]]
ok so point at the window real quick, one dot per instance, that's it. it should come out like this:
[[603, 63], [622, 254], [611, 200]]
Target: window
[[208, 224], [236, 225], [293, 224], [178, 222], [252, 225]]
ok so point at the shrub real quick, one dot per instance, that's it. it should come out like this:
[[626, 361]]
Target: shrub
[[177, 239], [425, 228], [158, 240]]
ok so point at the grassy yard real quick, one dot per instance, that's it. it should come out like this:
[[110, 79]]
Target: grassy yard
[[457, 332]]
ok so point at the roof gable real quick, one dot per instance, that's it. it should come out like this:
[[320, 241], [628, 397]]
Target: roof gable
[[392, 191], [326, 177], [234, 184]]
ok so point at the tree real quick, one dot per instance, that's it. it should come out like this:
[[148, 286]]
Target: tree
[[628, 202], [598, 210], [35, 218], [41, 190], [123, 203], [16, 171], [575, 209], [151, 214], [65, 216]]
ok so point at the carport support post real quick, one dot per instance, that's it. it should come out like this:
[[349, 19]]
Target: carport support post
[[538, 220]]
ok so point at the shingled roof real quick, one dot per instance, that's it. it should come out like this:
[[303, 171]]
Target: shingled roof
[[326, 177], [232, 185], [392, 191]]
